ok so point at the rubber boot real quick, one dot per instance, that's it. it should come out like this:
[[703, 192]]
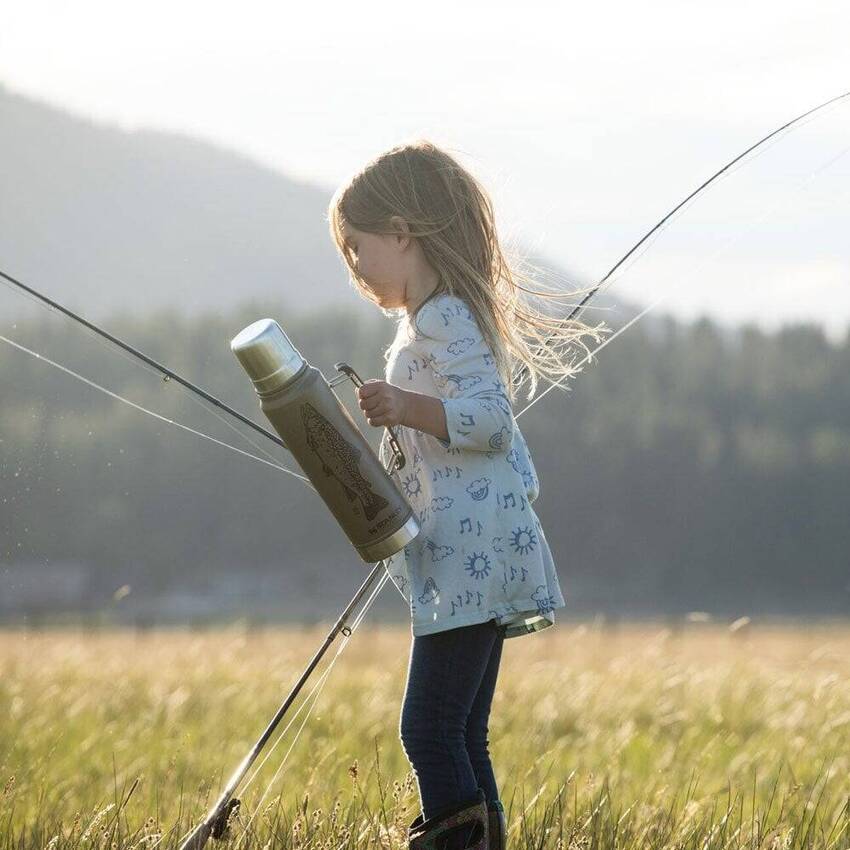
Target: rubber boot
[[497, 830], [457, 827]]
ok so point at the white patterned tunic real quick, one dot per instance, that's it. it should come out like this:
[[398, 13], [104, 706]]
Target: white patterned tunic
[[481, 553]]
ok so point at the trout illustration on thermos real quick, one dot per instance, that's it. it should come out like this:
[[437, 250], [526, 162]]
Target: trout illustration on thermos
[[341, 460]]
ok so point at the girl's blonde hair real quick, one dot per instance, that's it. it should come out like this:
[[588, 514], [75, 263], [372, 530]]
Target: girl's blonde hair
[[451, 215]]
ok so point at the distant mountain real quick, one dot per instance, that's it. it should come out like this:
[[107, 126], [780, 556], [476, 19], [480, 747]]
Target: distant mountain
[[106, 220]]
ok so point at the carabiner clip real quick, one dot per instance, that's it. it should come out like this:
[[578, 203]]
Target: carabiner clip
[[398, 459]]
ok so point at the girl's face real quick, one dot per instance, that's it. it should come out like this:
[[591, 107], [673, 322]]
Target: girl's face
[[382, 263]]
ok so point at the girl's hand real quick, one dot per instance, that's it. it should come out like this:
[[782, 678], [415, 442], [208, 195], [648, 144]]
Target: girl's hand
[[383, 403]]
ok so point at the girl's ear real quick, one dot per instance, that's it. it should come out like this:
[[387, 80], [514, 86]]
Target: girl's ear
[[398, 222]]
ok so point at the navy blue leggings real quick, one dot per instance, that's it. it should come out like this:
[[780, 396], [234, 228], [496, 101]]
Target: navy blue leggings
[[450, 683]]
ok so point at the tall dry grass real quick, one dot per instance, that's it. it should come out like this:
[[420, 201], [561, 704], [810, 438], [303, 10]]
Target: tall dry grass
[[643, 736]]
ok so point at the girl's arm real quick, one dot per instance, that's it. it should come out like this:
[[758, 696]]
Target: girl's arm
[[472, 412], [425, 413]]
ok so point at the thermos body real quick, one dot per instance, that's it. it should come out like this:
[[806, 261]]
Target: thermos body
[[324, 439]]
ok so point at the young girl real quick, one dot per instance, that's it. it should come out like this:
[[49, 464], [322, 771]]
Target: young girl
[[417, 233]]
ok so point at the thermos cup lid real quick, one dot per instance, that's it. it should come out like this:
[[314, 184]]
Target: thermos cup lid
[[267, 355]]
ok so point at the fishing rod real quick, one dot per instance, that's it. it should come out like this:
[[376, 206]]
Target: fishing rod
[[167, 373], [272, 346], [277, 369], [397, 458], [224, 813], [523, 368]]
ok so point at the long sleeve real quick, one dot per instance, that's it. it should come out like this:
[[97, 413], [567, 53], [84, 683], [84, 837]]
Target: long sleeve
[[478, 412]]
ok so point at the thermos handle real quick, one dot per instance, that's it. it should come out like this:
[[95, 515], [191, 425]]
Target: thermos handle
[[398, 459]]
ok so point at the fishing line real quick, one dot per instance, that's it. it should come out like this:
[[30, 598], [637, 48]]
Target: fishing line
[[719, 178], [355, 624], [632, 256], [107, 344], [311, 700], [273, 463], [523, 369], [320, 683], [167, 373], [723, 247], [784, 202], [361, 614], [317, 689], [384, 578], [152, 412], [650, 236]]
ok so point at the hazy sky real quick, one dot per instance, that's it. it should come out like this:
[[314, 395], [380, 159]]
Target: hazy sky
[[587, 122]]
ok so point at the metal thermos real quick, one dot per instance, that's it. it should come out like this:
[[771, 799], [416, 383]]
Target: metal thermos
[[328, 445]]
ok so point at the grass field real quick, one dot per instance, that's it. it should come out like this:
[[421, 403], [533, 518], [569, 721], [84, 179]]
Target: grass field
[[648, 736]]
